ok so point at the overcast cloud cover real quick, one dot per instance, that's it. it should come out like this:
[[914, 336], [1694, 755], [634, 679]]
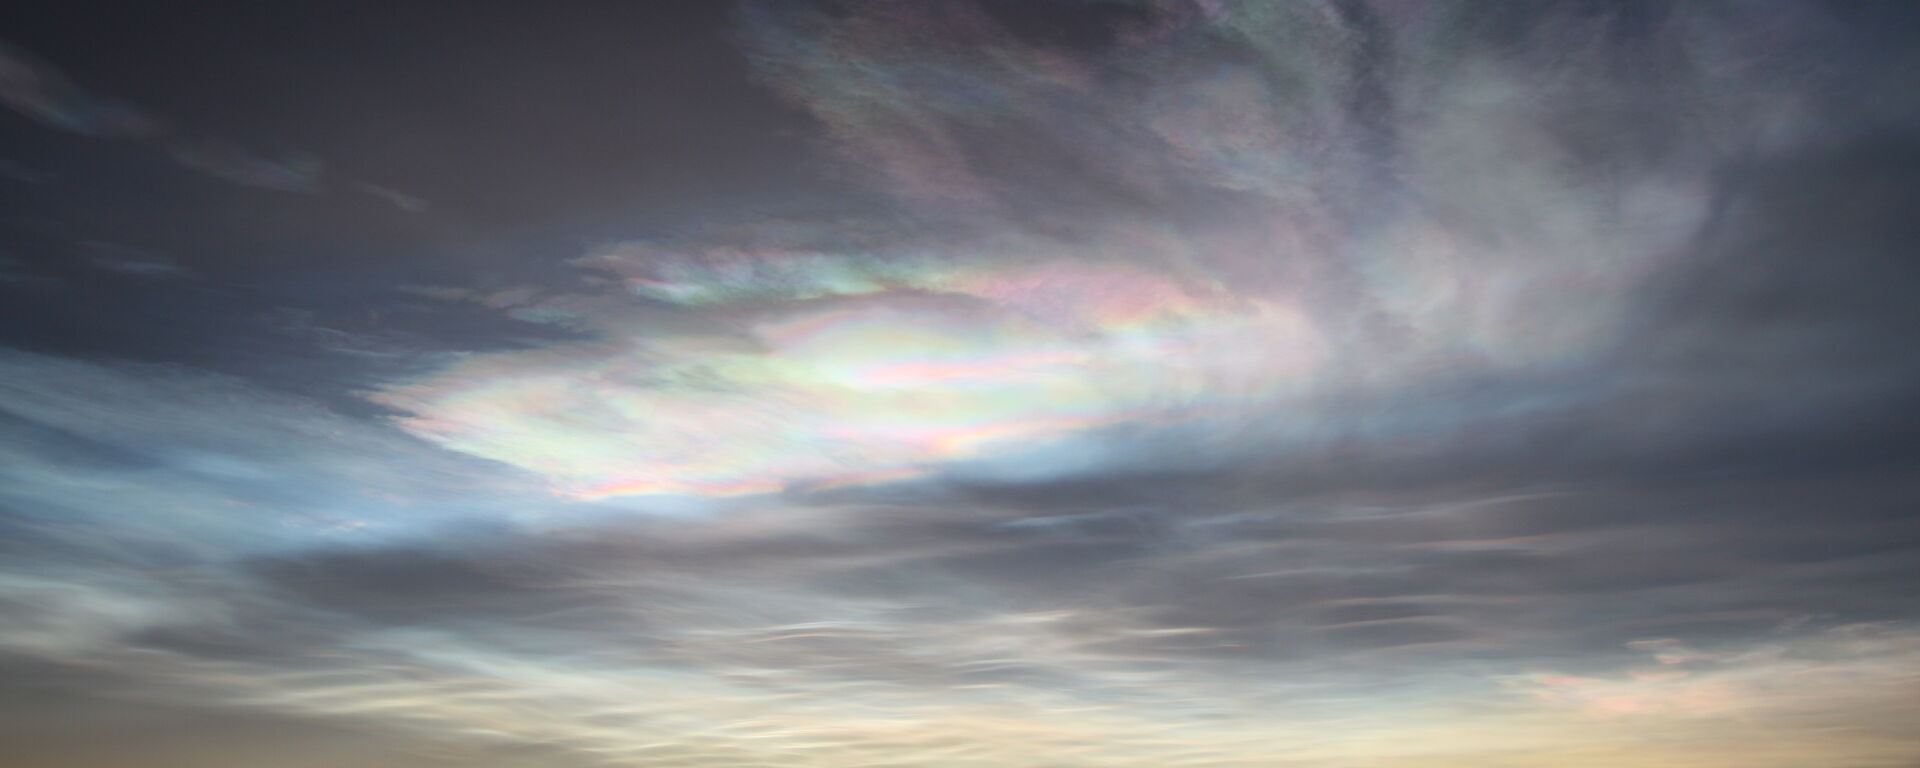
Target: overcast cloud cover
[[960, 383]]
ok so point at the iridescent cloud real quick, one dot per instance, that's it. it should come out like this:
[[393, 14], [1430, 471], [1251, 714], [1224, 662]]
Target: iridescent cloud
[[818, 369], [1351, 252]]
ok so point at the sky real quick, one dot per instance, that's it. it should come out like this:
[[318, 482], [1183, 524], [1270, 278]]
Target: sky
[[960, 384]]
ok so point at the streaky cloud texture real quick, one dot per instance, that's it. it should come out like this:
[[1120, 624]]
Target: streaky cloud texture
[[1253, 231], [1187, 384]]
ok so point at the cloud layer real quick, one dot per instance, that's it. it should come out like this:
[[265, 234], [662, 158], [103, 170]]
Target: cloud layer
[[1197, 226], [1200, 384]]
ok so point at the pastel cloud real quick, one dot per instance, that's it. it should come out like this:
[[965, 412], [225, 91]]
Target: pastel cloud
[[825, 374], [1354, 253]]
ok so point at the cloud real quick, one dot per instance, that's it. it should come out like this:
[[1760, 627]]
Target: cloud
[[830, 382], [1363, 384], [295, 173], [1308, 242], [848, 634], [400, 200], [207, 456], [128, 260], [38, 90]]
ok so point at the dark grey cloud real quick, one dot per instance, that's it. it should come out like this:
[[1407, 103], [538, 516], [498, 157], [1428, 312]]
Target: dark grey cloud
[[40, 91]]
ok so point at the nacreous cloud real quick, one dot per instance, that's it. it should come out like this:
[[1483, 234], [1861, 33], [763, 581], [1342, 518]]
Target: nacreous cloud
[[1233, 214]]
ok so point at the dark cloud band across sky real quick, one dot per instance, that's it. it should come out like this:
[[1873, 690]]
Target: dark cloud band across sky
[[962, 383]]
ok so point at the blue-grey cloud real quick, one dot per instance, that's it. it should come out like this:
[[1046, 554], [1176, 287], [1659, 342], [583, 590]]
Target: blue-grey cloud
[[38, 90]]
